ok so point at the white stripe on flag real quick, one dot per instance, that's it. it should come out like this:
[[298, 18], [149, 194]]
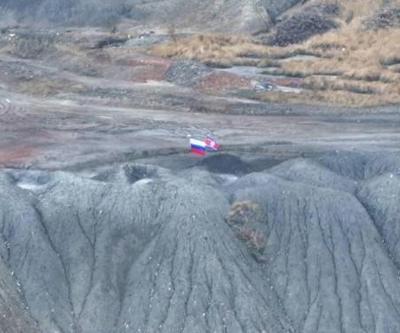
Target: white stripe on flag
[[197, 143]]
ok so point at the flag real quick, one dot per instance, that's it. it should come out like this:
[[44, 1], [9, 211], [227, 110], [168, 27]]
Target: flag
[[211, 144], [198, 147]]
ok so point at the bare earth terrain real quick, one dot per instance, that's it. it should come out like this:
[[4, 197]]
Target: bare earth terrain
[[108, 224], [54, 116]]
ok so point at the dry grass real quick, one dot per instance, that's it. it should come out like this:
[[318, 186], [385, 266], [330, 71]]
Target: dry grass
[[329, 97], [214, 49], [47, 87], [226, 50], [352, 67], [254, 239], [362, 62], [243, 212], [242, 218], [353, 50]]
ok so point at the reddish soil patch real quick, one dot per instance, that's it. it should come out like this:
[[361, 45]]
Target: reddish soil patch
[[289, 82], [15, 156], [146, 69], [150, 73], [216, 82], [133, 62]]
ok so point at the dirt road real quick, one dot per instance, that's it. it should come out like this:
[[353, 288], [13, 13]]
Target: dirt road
[[57, 133], [54, 117]]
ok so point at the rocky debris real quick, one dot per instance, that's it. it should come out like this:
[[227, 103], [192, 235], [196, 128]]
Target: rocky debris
[[388, 16], [303, 24], [186, 72], [307, 246]]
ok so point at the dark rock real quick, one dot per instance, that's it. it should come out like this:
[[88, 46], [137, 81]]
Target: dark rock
[[186, 72], [388, 16], [110, 41], [302, 25]]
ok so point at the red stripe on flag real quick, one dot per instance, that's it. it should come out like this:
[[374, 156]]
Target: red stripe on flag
[[198, 151]]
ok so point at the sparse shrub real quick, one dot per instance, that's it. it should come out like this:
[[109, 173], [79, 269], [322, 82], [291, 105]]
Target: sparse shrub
[[301, 26], [269, 63], [254, 239], [243, 212], [214, 49], [243, 217]]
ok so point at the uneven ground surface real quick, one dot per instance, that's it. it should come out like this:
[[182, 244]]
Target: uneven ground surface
[[74, 104], [229, 15], [309, 245], [336, 52], [108, 224]]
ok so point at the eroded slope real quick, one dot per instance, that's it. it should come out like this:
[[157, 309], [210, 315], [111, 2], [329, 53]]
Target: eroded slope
[[144, 249]]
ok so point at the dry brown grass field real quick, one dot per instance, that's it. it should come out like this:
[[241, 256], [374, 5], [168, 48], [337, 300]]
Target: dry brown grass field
[[352, 65], [214, 49]]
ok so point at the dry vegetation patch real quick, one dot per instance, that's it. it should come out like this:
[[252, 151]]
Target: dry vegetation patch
[[352, 65], [361, 62], [217, 50], [244, 217], [45, 87]]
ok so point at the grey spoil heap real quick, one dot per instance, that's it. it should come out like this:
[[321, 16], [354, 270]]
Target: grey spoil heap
[[140, 248]]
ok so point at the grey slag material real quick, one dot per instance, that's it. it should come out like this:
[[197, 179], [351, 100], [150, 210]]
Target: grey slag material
[[306, 246]]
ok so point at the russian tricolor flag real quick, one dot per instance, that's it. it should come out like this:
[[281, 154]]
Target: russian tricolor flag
[[198, 147]]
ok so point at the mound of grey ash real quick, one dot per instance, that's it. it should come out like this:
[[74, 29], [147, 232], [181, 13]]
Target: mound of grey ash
[[310, 245]]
